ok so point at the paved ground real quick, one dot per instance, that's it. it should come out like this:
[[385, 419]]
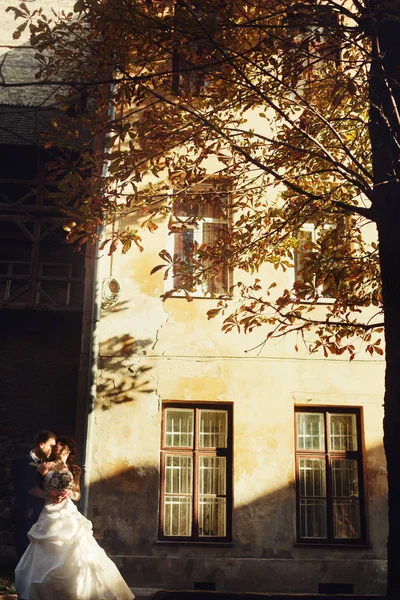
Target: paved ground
[[140, 594], [205, 595], [153, 594]]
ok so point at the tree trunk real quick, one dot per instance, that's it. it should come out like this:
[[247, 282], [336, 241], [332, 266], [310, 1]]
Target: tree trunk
[[390, 267], [384, 128]]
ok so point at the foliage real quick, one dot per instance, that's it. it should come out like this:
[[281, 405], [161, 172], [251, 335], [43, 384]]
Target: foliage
[[275, 94]]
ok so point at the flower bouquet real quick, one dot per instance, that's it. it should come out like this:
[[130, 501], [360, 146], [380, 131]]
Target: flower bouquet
[[61, 481]]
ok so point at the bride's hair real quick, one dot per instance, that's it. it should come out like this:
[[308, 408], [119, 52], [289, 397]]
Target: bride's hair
[[68, 441]]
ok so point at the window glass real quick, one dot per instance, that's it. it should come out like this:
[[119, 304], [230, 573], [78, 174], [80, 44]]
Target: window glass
[[179, 427], [213, 429], [343, 432], [196, 473], [312, 477], [212, 517], [313, 519], [178, 474], [178, 516], [346, 519], [329, 477], [345, 478], [200, 219], [310, 431], [212, 492], [212, 475]]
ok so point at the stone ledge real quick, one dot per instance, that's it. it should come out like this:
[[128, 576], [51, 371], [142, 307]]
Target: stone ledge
[[212, 595]]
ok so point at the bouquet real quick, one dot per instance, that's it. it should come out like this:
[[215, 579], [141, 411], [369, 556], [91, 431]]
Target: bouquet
[[61, 481]]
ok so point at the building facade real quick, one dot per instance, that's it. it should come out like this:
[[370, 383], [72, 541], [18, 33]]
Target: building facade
[[216, 464]]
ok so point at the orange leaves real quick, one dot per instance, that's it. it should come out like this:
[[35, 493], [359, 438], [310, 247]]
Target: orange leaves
[[167, 265], [293, 149]]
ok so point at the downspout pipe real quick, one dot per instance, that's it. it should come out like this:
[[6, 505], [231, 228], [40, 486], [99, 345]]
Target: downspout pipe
[[93, 342]]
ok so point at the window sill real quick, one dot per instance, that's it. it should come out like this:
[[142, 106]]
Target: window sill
[[323, 301], [198, 296], [192, 543], [341, 546]]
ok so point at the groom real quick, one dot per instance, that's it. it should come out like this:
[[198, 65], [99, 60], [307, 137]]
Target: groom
[[28, 486]]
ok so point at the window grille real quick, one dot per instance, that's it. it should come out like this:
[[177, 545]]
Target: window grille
[[330, 505], [196, 477]]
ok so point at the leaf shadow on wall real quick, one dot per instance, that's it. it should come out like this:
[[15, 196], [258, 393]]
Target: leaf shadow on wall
[[124, 371], [118, 307]]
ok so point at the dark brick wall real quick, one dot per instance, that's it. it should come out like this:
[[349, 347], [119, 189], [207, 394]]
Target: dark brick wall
[[39, 360]]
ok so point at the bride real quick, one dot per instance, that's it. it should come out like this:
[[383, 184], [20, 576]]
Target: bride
[[63, 560]]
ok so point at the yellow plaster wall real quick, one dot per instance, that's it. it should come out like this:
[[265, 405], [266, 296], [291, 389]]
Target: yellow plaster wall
[[152, 351]]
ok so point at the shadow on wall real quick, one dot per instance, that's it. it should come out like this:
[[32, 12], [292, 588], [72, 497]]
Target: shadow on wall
[[118, 307], [123, 508], [263, 556], [122, 374]]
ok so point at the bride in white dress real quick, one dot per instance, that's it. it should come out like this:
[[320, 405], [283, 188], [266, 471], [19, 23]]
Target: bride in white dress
[[63, 560]]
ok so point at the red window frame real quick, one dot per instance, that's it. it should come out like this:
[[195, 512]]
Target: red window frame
[[328, 455], [196, 453]]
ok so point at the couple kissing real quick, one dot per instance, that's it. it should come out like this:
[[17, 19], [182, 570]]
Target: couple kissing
[[58, 554]]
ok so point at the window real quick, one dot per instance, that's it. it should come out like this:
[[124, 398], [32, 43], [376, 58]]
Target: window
[[200, 225], [306, 279], [196, 472], [329, 476], [313, 45], [197, 60], [320, 259]]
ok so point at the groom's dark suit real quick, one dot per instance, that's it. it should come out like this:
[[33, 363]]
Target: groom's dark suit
[[27, 508]]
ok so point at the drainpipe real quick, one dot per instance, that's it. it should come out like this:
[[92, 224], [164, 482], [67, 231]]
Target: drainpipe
[[93, 341]]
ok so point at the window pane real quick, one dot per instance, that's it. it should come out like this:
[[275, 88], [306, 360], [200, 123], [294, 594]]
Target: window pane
[[179, 427], [346, 518], [343, 432], [183, 243], [178, 516], [312, 477], [212, 485], [183, 252], [313, 519], [186, 206], [216, 207], [216, 234], [310, 431], [178, 474], [212, 517], [212, 475], [213, 232], [344, 479], [305, 246], [213, 430]]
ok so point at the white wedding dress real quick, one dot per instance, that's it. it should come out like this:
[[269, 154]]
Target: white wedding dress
[[64, 561]]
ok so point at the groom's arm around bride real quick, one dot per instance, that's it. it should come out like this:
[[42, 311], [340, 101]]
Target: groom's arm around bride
[[28, 487]]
